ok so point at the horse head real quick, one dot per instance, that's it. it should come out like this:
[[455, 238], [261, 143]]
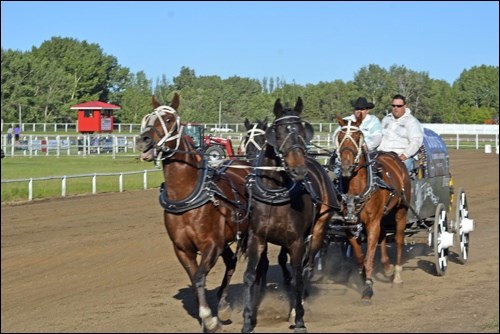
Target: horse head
[[254, 139], [160, 131], [349, 142], [289, 135]]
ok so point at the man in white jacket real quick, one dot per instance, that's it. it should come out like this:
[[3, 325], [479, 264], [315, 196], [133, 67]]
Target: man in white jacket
[[402, 132]]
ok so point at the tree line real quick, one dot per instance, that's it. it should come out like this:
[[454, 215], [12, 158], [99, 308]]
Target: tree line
[[42, 85]]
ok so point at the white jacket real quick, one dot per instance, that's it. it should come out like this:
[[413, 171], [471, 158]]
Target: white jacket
[[403, 135]]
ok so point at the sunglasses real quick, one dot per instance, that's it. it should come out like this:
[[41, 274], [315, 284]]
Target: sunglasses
[[397, 105]]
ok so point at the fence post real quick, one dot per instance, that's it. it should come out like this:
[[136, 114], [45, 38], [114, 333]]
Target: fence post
[[120, 182], [30, 189], [63, 186], [94, 183], [145, 179]]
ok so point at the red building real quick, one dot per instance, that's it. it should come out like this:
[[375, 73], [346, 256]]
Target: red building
[[95, 116]]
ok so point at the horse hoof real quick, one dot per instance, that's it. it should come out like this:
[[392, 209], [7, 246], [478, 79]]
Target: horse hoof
[[213, 325], [390, 271], [397, 275], [366, 301], [291, 316], [300, 330], [224, 313]]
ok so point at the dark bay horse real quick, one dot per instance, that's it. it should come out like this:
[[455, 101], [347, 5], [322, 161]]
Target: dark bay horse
[[374, 187], [250, 146], [291, 197], [204, 207]]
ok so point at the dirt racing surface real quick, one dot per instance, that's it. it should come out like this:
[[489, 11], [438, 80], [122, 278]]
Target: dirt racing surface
[[104, 263]]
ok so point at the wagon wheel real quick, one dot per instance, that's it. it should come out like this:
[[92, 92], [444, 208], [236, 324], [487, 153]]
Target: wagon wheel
[[464, 225], [215, 153], [440, 240]]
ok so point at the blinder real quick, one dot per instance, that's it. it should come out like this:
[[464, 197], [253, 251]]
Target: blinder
[[271, 133], [271, 136], [309, 131]]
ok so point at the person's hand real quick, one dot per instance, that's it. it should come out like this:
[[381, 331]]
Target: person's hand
[[403, 157]]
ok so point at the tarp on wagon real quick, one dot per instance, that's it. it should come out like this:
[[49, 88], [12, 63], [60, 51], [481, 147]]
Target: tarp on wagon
[[434, 155]]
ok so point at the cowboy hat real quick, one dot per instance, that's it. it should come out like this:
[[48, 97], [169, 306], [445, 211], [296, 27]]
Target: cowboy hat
[[361, 103]]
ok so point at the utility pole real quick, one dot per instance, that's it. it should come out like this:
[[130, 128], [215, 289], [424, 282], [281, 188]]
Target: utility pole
[[220, 114]]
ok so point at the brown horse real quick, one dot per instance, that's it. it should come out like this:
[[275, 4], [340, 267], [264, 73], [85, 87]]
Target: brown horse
[[204, 207], [292, 200], [374, 187]]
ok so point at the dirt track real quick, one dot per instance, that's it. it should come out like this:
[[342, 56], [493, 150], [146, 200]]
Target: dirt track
[[104, 263]]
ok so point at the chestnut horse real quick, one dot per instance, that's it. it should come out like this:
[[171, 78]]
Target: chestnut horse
[[204, 207], [291, 197], [374, 187]]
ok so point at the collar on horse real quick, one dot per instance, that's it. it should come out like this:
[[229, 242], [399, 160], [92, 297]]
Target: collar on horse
[[260, 192], [206, 190], [355, 203]]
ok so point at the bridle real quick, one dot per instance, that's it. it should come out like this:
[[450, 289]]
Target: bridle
[[290, 122], [163, 152], [250, 139], [358, 145]]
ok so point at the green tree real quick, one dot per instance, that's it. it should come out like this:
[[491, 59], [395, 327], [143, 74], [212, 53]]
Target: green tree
[[373, 83], [17, 91], [478, 87], [137, 99]]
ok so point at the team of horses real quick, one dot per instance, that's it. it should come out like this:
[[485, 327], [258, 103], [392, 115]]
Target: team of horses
[[277, 194]]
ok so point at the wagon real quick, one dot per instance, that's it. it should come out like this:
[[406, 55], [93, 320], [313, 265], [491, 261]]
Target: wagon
[[432, 197]]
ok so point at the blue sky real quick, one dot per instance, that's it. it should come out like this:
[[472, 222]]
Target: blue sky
[[301, 42]]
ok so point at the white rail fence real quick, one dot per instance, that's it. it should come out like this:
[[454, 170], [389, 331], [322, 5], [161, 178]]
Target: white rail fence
[[93, 177], [113, 145], [123, 128]]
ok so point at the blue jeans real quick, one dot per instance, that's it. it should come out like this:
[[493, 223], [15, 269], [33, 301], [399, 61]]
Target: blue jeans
[[410, 164]]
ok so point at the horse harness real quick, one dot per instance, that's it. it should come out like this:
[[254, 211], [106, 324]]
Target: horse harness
[[206, 190], [355, 203]]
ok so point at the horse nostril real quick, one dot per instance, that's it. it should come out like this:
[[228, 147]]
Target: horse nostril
[[299, 172]]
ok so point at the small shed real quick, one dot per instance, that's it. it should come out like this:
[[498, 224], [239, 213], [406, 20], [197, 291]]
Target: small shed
[[95, 116]]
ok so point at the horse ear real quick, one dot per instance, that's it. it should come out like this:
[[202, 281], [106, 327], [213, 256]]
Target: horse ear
[[156, 104], [341, 121], [175, 101], [358, 118], [278, 108], [299, 105], [247, 123]]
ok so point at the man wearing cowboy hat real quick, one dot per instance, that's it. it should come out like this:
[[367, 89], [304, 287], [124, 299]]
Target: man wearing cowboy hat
[[370, 126]]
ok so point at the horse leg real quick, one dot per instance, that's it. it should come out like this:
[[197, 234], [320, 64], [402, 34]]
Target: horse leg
[[358, 253], [224, 308], [208, 259], [401, 216], [256, 246], [384, 257], [261, 274], [297, 251], [373, 233], [188, 262], [282, 261]]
